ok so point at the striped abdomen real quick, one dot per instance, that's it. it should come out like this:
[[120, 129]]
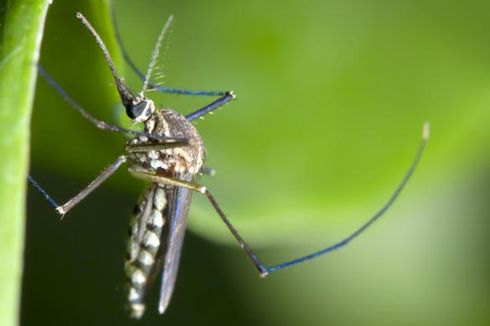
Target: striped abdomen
[[144, 244]]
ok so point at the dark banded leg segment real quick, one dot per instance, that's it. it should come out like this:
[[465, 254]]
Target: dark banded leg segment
[[148, 176], [261, 268], [63, 209], [227, 97]]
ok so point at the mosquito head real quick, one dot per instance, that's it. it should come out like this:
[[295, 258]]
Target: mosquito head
[[141, 109]]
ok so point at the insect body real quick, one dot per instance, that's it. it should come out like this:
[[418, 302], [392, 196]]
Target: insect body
[[158, 227], [169, 154]]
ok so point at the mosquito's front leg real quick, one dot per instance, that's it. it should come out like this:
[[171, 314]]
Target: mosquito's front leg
[[63, 209], [227, 97]]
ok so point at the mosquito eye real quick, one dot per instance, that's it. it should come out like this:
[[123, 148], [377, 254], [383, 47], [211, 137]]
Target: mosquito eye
[[141, 111]]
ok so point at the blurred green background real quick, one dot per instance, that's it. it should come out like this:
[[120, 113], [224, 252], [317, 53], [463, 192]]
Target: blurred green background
[[331, 100]]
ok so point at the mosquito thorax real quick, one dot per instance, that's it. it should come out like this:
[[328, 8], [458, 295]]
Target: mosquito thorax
[[141, 109], [186, 159]]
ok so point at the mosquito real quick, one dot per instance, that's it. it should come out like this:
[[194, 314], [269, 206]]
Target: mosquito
[[169, 154]]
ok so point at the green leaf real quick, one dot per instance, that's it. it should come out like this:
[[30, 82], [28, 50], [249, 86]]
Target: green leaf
[[22, 25]]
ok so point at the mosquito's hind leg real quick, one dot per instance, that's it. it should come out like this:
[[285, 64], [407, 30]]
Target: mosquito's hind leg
[[150, 176], [261, 268]]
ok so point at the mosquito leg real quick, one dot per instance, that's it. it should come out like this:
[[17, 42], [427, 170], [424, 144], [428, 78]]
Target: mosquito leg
[[40, 189], [374, 218], [178, 91], [261, 268], [227, 97], [135, 69], [148, 176], [98, 123], [63, 209]]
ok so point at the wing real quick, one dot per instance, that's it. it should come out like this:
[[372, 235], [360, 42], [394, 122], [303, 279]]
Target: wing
[[179, 202]]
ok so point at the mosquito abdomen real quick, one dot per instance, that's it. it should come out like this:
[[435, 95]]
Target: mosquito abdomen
[[144, 244]]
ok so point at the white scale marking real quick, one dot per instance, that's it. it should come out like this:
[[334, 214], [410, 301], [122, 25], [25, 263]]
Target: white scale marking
[[156, 219], [151, 240], [155, 164], [153, 155], [133, 295], [145, 258], [150, 124], [159, 200], [138, 277], [138, 309]]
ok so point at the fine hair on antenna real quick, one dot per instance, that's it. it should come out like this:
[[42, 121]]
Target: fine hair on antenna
[[155, 54]]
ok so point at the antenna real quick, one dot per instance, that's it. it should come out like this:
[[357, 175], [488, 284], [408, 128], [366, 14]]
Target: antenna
[[155, 54], [127, 96]]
